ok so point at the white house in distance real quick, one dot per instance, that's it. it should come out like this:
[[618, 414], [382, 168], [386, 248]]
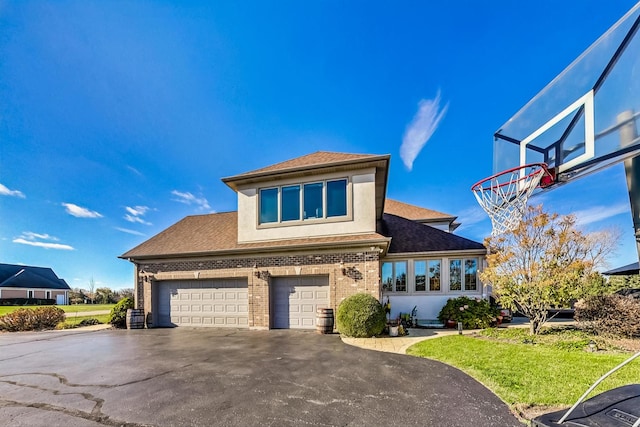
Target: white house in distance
[[308, 233]]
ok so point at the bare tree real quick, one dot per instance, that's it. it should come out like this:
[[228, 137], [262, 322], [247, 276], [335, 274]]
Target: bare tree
[[544, 263], [92, 286]]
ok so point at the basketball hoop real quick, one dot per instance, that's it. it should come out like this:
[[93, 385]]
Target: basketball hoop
[[504, 195]]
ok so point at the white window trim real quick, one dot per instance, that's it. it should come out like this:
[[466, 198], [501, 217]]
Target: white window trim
[[445, 280], [302, 221]]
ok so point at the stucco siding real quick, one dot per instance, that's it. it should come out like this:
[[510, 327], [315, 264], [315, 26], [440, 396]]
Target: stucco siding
[[360, 216]]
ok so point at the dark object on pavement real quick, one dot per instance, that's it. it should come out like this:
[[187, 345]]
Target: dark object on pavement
[[617, 407]]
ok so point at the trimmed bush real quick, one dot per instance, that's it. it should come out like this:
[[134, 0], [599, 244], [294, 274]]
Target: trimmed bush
[[118, 315], [609, 315], [473, 313], [25, 319], [360, 316]]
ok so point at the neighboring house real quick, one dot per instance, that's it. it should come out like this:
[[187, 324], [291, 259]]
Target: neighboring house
[[21, 281], [308, 233]]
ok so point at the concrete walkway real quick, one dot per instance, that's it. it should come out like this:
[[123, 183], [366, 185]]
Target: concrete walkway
[[400, 345], [86, 313]]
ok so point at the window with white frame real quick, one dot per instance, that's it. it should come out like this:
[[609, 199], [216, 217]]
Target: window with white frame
[[309, 201], [427, 275], [463, 274], [29, 294], [394, 276]]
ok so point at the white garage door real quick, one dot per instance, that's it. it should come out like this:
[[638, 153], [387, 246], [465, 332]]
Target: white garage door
[[216, 303], [295, 300]]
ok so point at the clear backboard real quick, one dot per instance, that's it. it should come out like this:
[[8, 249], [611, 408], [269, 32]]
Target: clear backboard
[[587, 118]]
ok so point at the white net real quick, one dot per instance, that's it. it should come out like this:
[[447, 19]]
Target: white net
[[504, 196]]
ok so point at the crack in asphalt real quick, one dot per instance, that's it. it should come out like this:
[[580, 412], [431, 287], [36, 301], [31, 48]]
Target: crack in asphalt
[[95, 416], [96, 413]]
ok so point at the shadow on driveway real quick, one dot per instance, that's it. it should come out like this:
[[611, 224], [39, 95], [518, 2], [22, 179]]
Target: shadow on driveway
[[204, 377]]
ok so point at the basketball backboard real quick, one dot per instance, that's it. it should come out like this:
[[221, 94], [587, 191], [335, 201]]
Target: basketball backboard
[[587, 118]]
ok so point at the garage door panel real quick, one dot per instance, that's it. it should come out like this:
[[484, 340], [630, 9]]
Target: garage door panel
[[296, 299], [214, 303]]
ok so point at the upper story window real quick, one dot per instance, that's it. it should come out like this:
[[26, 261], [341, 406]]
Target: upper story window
[[314, 200]]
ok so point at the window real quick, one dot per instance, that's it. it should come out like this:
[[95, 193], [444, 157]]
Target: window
[[29, 294], [268, 205], [466, 282], [455, 275], [48, 294], [290, 205], [420, 275], [434, 275], [427, 272], [314, 200], [394, 276], [470, 274], [337, 198]]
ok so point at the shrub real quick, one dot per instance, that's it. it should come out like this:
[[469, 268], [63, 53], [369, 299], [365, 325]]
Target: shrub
[[25, 319], [473, 313], [609, 315], [360, 316], [89, 322], [118, 315]]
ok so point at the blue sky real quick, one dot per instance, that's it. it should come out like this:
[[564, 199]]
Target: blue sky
[[117, 119]]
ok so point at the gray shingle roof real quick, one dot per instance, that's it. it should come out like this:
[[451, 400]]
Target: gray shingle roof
[[409, 236], [216, 233], [22, 276]]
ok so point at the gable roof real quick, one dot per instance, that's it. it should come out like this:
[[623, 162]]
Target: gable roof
[[22, 276], [319, 159], [216, 234], [409, 236], [414, 212], [318, 163]]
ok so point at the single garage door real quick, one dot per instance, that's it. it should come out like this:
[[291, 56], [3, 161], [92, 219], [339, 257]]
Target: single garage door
[[215, 303], [295, 300]]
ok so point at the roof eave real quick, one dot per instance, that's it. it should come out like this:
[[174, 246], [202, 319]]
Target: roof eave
[[234, 181], [385, 241]]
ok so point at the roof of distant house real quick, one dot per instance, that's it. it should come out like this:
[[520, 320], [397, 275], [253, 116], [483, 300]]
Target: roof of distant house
[[23, 276]]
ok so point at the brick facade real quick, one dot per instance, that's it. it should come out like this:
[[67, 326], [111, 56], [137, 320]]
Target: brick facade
[[349, 272]]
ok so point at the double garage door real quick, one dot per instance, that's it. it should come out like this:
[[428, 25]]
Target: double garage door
[[216, 303], [294, 301]]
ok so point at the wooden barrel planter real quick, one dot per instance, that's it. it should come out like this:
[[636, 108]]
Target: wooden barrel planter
[[135, 318], [324, 320]]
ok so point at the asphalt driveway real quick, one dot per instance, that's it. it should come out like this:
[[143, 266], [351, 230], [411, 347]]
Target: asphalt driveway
[[205, 377]]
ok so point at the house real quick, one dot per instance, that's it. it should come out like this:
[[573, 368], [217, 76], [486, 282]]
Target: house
[[308, 233], [21, 281]]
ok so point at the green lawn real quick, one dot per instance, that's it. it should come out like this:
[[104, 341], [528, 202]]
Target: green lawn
[[552, 372], [73, 320], [76, 308]]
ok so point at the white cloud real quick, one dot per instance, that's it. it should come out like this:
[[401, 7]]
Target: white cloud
[[423, 125], [36, 236], [134, 170], [4, 191], [35, 239], [137, 210], [126, 230], [135, 214], [471, 216], [80, 212], [599, 213], [189, 199]]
